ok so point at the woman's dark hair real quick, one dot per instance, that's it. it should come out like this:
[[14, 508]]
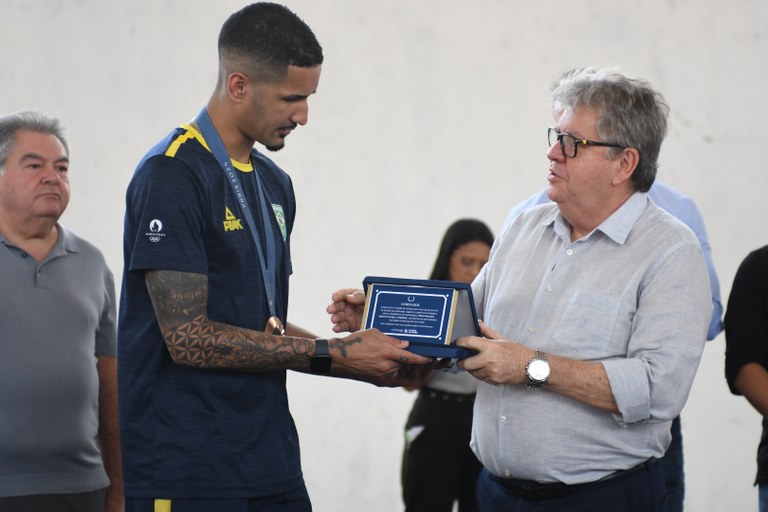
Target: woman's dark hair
[[459, 233]]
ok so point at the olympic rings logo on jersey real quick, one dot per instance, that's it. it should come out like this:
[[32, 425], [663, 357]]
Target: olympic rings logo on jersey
[[155, 228]]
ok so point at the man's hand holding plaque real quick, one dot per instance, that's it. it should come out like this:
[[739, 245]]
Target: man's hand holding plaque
[[346, 312], [429, 314]]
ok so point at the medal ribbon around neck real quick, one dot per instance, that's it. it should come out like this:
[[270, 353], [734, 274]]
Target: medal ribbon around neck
[[211, 136]]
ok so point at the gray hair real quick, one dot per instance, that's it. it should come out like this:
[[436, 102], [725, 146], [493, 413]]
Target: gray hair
[[631, 112], [11, 124]]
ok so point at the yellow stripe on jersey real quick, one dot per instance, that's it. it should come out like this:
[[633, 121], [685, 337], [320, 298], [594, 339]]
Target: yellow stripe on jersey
[[176, 144], [162, 505], [192, 133]]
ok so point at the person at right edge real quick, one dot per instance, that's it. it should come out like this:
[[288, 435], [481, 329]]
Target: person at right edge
[[595, 313], [439, 467], [746, 349]]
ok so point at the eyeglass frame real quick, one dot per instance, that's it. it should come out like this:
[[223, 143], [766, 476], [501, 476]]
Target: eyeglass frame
[[578, 142]]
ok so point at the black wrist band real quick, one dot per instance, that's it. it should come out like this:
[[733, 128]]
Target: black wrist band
[[321, 361]]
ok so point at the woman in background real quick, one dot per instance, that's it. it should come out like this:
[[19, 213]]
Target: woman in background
[[438, 465]]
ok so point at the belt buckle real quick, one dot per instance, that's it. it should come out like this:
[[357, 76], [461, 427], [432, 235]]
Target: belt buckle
[[549, 491], [538, 492]]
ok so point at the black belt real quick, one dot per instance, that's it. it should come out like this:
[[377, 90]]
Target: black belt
[[530, 490], [446, 397]]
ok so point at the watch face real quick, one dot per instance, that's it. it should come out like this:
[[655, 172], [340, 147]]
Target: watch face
[[321, 364], [538, 369]]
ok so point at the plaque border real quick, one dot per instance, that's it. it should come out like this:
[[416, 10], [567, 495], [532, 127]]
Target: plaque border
[[417, 344]]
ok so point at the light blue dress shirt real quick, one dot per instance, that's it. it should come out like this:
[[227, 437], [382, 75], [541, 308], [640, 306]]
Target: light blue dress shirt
[[682, 207], [634, 295]]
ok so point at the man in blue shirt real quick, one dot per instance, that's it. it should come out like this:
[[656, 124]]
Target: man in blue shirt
[[682, 207], [596, 310]]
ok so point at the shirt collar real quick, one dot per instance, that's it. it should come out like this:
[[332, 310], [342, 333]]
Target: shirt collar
[[66, 242], [616, 227], [619, 224]]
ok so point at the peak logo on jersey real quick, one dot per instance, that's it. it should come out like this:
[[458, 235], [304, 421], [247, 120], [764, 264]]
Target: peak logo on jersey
[[280, 218], [231, 223], [155, 231]]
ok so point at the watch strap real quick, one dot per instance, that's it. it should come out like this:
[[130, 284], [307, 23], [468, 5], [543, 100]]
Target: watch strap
[[322, 360], [535, 383]]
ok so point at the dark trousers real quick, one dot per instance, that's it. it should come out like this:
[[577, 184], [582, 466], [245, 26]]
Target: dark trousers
[[92, 501], [292, 501], [636, 491], [672, 467], [439, 468]]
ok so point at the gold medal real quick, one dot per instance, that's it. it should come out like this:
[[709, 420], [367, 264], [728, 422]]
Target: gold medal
[[274, 327]]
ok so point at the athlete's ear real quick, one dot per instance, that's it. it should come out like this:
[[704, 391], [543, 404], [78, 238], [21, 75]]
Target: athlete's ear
[[236, 84]]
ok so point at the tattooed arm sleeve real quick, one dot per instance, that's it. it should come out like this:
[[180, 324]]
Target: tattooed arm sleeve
[[180, 301]]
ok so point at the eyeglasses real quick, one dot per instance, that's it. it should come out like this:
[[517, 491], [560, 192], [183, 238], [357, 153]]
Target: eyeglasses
[[569, 144]]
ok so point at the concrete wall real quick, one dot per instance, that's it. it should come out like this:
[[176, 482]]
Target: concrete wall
[[427, 111]]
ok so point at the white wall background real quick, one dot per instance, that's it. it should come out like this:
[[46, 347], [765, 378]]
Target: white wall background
[[427, 111]]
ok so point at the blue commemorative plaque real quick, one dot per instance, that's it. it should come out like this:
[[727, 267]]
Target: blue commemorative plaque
[[430, 314]]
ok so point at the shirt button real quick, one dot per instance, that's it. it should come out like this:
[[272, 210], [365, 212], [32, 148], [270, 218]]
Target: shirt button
[[549, 288], [503, 419], [531, 328], [569, 252]]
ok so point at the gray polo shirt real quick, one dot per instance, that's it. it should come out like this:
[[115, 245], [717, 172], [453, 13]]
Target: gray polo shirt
[[634, 295], [55, 318]]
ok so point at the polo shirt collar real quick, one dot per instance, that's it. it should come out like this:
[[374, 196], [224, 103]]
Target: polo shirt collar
[[65, 244]]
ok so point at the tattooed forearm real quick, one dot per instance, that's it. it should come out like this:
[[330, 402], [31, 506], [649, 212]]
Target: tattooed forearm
[[207, 344], [343, 345], [180, 303], [177, 296]]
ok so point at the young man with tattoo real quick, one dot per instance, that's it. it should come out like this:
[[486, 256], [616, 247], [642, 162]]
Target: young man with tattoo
[[203, 355]]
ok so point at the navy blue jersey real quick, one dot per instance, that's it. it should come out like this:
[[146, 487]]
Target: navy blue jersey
[[188, 432]]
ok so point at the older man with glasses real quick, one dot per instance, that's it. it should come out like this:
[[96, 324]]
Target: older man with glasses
[[596, 311], [684, 208]]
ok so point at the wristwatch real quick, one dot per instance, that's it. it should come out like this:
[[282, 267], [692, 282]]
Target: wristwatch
[[537, 370], [321, 361]]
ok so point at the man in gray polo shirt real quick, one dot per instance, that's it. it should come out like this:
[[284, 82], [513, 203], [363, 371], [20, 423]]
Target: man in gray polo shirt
[[59, 446]]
